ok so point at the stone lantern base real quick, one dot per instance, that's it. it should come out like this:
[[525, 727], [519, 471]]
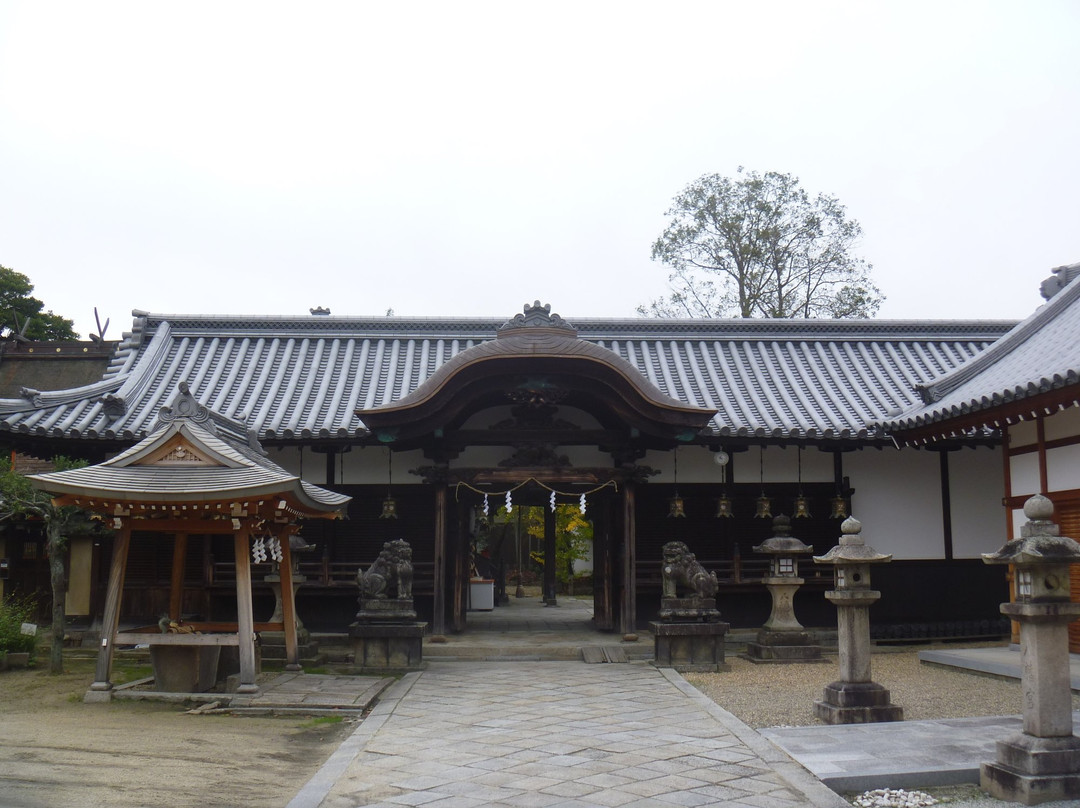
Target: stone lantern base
[[856, 703], [784, 646], [1031, 770]]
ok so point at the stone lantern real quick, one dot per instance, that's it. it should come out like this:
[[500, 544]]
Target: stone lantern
[[782, 638], [854, 698], [1043, 762], [272, 643]]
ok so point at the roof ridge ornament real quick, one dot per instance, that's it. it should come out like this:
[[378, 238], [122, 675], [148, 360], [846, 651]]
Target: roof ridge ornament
[[537, 316], [185, 406]]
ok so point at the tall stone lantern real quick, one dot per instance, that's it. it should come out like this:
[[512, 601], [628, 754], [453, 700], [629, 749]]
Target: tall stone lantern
[[1043, 762], [854, 698], [783, 638]]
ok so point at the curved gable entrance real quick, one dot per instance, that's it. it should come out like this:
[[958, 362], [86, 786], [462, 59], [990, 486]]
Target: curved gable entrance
[[536, 371]]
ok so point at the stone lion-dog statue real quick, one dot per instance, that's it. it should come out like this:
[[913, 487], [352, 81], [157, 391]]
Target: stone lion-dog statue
[[681, 570], [392, 572]]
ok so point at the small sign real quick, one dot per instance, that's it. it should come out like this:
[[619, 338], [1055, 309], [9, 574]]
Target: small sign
[[30, 629]]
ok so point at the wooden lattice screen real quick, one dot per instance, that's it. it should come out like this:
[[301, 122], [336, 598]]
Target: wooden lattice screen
[[1068, 516]]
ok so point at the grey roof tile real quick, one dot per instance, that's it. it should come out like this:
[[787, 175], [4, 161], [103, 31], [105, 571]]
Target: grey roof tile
[[292, 378], [1038, 355]]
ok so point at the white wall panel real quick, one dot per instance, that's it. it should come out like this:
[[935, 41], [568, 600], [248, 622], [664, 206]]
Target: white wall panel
[[898, 500], [1024, 474], [1063, 468], [976, 487], [1023, 434], [1064, 424]]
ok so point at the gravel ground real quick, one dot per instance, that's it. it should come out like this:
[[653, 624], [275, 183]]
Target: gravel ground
[[783, 696]]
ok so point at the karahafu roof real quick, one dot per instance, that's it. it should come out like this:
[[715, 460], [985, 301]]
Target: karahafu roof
[[1040, 355], [191, 459], [304, 378]]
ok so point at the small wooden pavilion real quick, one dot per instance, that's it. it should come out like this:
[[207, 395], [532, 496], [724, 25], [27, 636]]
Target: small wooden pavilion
[[197, 472]]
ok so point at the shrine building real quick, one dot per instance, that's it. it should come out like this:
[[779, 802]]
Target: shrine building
[[655, 430]]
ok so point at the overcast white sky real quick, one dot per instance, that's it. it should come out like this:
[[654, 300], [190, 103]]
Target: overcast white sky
[[462, 158]]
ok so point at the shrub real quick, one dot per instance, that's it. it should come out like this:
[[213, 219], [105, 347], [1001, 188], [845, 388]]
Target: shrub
[[13, 613]]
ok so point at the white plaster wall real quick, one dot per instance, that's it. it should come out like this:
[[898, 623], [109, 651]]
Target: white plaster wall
[[898, 500], [1024, 433], [976, 487], [1064, 424], [697, 465], [1018, 520], [1024, 474], [1063, 468], [365, 465]]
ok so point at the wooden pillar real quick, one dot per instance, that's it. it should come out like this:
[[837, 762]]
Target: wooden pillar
[[462, 571], [176, 590], [628, 607], [603, 610], [111, 619], [550, 561], [245, 621], [438, 617], [288, 602]]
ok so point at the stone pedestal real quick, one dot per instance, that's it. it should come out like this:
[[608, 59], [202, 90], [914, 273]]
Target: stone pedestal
[[783, 638], [856, 703], [689, 636], [387, 647], [784, 646], [386, 636], [1043, 762], [854, 698]]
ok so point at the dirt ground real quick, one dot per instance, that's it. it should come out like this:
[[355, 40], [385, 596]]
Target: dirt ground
[[57, 752]]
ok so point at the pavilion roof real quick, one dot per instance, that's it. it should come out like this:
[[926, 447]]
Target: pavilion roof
[[1033, 367], [292, 379], [190, 460]]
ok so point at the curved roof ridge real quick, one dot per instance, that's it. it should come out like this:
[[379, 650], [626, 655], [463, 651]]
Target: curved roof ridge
[[938, 388]]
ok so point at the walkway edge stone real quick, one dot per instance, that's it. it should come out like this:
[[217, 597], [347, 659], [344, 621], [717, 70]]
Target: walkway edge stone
[[315, 790], [818, 794]]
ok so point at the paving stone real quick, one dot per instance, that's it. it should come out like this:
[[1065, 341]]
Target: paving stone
[[552, 734]]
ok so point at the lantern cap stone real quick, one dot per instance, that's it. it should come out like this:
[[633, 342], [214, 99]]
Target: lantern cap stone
[[852, 549], [782, 542], [1040, 542]]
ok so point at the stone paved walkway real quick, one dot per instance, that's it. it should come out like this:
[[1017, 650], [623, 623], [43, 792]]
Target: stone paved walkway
[[555, 735]]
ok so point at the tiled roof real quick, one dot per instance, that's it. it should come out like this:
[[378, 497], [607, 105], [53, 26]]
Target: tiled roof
[[1040, 355], [226, 468], [303, 378]]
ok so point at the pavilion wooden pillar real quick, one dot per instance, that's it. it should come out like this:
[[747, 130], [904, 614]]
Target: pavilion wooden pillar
[[176, 591], [245, 620], [438, 617], [111, 618], [628, 607], [288, 602]]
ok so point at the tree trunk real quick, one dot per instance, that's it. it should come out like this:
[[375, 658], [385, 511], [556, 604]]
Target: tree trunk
[[55, 546]]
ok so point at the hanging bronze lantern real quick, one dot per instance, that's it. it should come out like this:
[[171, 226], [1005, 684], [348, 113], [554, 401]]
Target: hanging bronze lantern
[[676, 507], [389, 508], [764, 508], [723, 508], [802, 507], [389, 504], [839, 508]]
